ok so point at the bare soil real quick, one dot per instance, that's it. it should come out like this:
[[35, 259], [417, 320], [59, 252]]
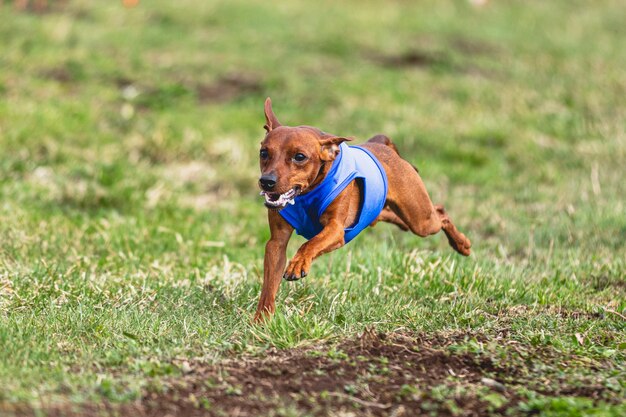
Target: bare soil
[[374, 375], [228, 87], [412, 58]]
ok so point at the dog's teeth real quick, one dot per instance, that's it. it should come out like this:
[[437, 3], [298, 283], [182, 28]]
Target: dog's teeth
[[283, 199]]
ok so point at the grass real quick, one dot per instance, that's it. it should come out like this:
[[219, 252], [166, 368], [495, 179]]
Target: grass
[[131, 233]]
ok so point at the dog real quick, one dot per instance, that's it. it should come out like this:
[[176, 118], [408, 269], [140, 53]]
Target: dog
[[327, 191]]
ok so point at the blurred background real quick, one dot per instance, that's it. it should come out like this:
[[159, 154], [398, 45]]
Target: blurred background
[[152, 110]]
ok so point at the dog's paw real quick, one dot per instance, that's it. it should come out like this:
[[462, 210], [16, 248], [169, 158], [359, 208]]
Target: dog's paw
[[456, 239], [461, 244], [298, 268], [260, 317]]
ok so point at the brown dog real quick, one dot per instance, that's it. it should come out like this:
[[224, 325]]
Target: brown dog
[[298, 162]]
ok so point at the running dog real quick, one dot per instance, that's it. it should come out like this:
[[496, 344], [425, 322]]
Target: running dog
[[328, 192]]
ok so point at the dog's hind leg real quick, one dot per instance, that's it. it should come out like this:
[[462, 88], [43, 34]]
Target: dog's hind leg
[[408, 198], [456, 239], [387, 215]]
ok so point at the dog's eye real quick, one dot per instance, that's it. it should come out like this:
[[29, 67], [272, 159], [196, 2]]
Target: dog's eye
[[264, 154], [299, 157]]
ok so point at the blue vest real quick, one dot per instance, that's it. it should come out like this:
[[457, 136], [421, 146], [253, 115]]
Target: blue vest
[[351, 163]]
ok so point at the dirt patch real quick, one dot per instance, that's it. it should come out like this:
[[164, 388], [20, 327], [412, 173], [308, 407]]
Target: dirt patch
[[59, 74], [432, 52], [413, 58], [373, 375], [67, 73], [433, 60], [469, 46], [228, 88], [455, 55]]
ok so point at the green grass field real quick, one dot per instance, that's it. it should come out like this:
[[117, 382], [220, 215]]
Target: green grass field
[[132, 233]]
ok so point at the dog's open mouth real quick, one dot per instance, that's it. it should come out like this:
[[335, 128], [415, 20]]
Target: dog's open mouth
[[275, 200]]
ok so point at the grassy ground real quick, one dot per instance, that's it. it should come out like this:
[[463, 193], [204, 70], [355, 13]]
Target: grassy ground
[[131, 232]]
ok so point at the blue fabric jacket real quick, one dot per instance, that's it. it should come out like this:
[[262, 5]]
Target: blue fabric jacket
[[351, 163]]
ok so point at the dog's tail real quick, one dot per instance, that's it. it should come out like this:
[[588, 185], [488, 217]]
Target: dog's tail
[[384, 140]]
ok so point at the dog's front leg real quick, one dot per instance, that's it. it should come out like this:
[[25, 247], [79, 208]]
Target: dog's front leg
[[334, 219], [329, 239], [274, 262]]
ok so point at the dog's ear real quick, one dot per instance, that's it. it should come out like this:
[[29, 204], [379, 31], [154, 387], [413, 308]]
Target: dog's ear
[[330, 146], [271, 122]]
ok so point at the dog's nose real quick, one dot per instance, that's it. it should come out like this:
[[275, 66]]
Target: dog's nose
[[267, 181]]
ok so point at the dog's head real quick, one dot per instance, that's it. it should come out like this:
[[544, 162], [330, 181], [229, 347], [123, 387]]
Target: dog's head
[[293, 159]]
